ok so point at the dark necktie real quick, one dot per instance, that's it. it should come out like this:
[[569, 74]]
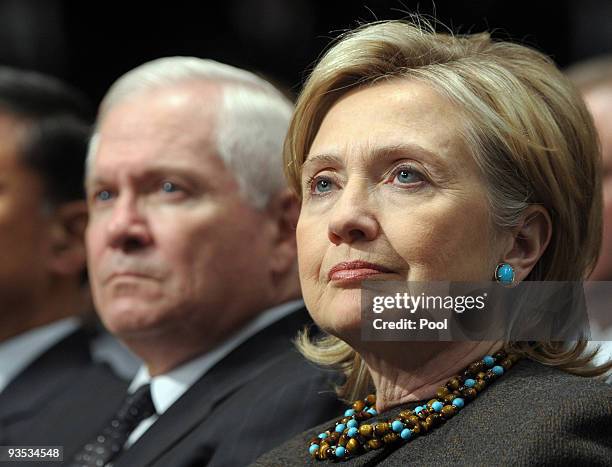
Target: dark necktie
[[109, 443]]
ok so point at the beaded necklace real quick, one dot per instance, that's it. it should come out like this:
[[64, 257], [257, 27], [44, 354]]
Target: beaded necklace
[[351, 437]]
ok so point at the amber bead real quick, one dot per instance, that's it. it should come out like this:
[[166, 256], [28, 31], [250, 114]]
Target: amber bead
[[416, 429], [362, 416], [381, 428], [412, 420], [334, 436], [371, 400], [441, 392], [480, 375], [374, 444], [344, 420], [449, 398], [470, 393], [506, 363], [352, 446], [343, 440], [454, 383], [426, 425], [405, 414], [448, 411], [434, 419], [366, 430], [358, 406], [480, 385], [390, 438], [326, 453], [476, 367]]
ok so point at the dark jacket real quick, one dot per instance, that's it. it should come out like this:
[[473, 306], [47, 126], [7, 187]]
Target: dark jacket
[[257, 397], [60, 399]]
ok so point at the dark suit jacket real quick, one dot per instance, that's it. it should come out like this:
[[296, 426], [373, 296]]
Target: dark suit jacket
[[533, 415], [59, 399], [258, 396]]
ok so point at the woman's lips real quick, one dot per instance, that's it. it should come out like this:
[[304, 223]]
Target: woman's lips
[[355, 271]]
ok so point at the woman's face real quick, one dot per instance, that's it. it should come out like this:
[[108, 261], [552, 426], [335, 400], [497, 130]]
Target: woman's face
[[390, 192]]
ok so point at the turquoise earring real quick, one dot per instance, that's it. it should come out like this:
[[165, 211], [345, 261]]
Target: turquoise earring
[[504, 274]]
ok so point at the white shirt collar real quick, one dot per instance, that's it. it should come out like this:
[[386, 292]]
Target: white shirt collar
[[167, 388], [19, 351]]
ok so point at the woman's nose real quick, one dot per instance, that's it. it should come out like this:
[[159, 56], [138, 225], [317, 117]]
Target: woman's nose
[[352, 220]]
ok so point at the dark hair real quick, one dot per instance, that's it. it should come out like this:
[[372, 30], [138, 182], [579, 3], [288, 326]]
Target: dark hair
[[58, 120]]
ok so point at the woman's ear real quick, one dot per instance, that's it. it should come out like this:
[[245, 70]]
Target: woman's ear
[[530, 239], [67, 243]]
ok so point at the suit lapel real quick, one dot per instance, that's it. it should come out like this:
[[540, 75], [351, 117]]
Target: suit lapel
[[195, 406]]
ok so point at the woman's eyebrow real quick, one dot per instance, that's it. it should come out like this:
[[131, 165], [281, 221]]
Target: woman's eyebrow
[[405, 149], [383, 152], [321, 159]]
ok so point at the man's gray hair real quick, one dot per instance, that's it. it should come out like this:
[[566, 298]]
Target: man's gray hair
[[251, 125]]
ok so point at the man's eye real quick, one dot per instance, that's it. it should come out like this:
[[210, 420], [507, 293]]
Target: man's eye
[[103, 195], [169, 187]]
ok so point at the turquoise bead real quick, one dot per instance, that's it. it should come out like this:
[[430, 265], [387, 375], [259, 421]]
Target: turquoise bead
[[352, 424], [504, 274], [349, 413], [418, 409], [458, 402], [397, 426], [498, 370], [406, 433], [313, 448], [352, 432], [437, 406], [340, 427], [340, 451], [488, 360], [372, 411], [322, 435], [469, 383]]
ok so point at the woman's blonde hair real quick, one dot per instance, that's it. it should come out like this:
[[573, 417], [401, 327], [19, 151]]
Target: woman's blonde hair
[[529, 131]]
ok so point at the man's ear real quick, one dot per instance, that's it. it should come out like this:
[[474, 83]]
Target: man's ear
[[530, 239], [67, 238], [283, 210]]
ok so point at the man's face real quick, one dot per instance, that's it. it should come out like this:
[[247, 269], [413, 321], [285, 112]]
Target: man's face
[[599, 102], [173, 247], [23, 226]]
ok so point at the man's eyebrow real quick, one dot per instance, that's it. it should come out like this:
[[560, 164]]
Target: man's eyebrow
[[149, 172], [95, 180]]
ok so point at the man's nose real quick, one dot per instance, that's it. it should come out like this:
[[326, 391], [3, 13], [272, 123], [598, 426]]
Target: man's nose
[[128, 228], [351, 219]]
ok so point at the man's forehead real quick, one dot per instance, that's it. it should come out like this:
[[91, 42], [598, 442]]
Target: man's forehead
[[166, 122]]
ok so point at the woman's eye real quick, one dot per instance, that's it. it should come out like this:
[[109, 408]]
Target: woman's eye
[[407, 176], [321, 185]]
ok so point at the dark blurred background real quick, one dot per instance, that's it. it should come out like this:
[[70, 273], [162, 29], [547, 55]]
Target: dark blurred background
[[91, 43]]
